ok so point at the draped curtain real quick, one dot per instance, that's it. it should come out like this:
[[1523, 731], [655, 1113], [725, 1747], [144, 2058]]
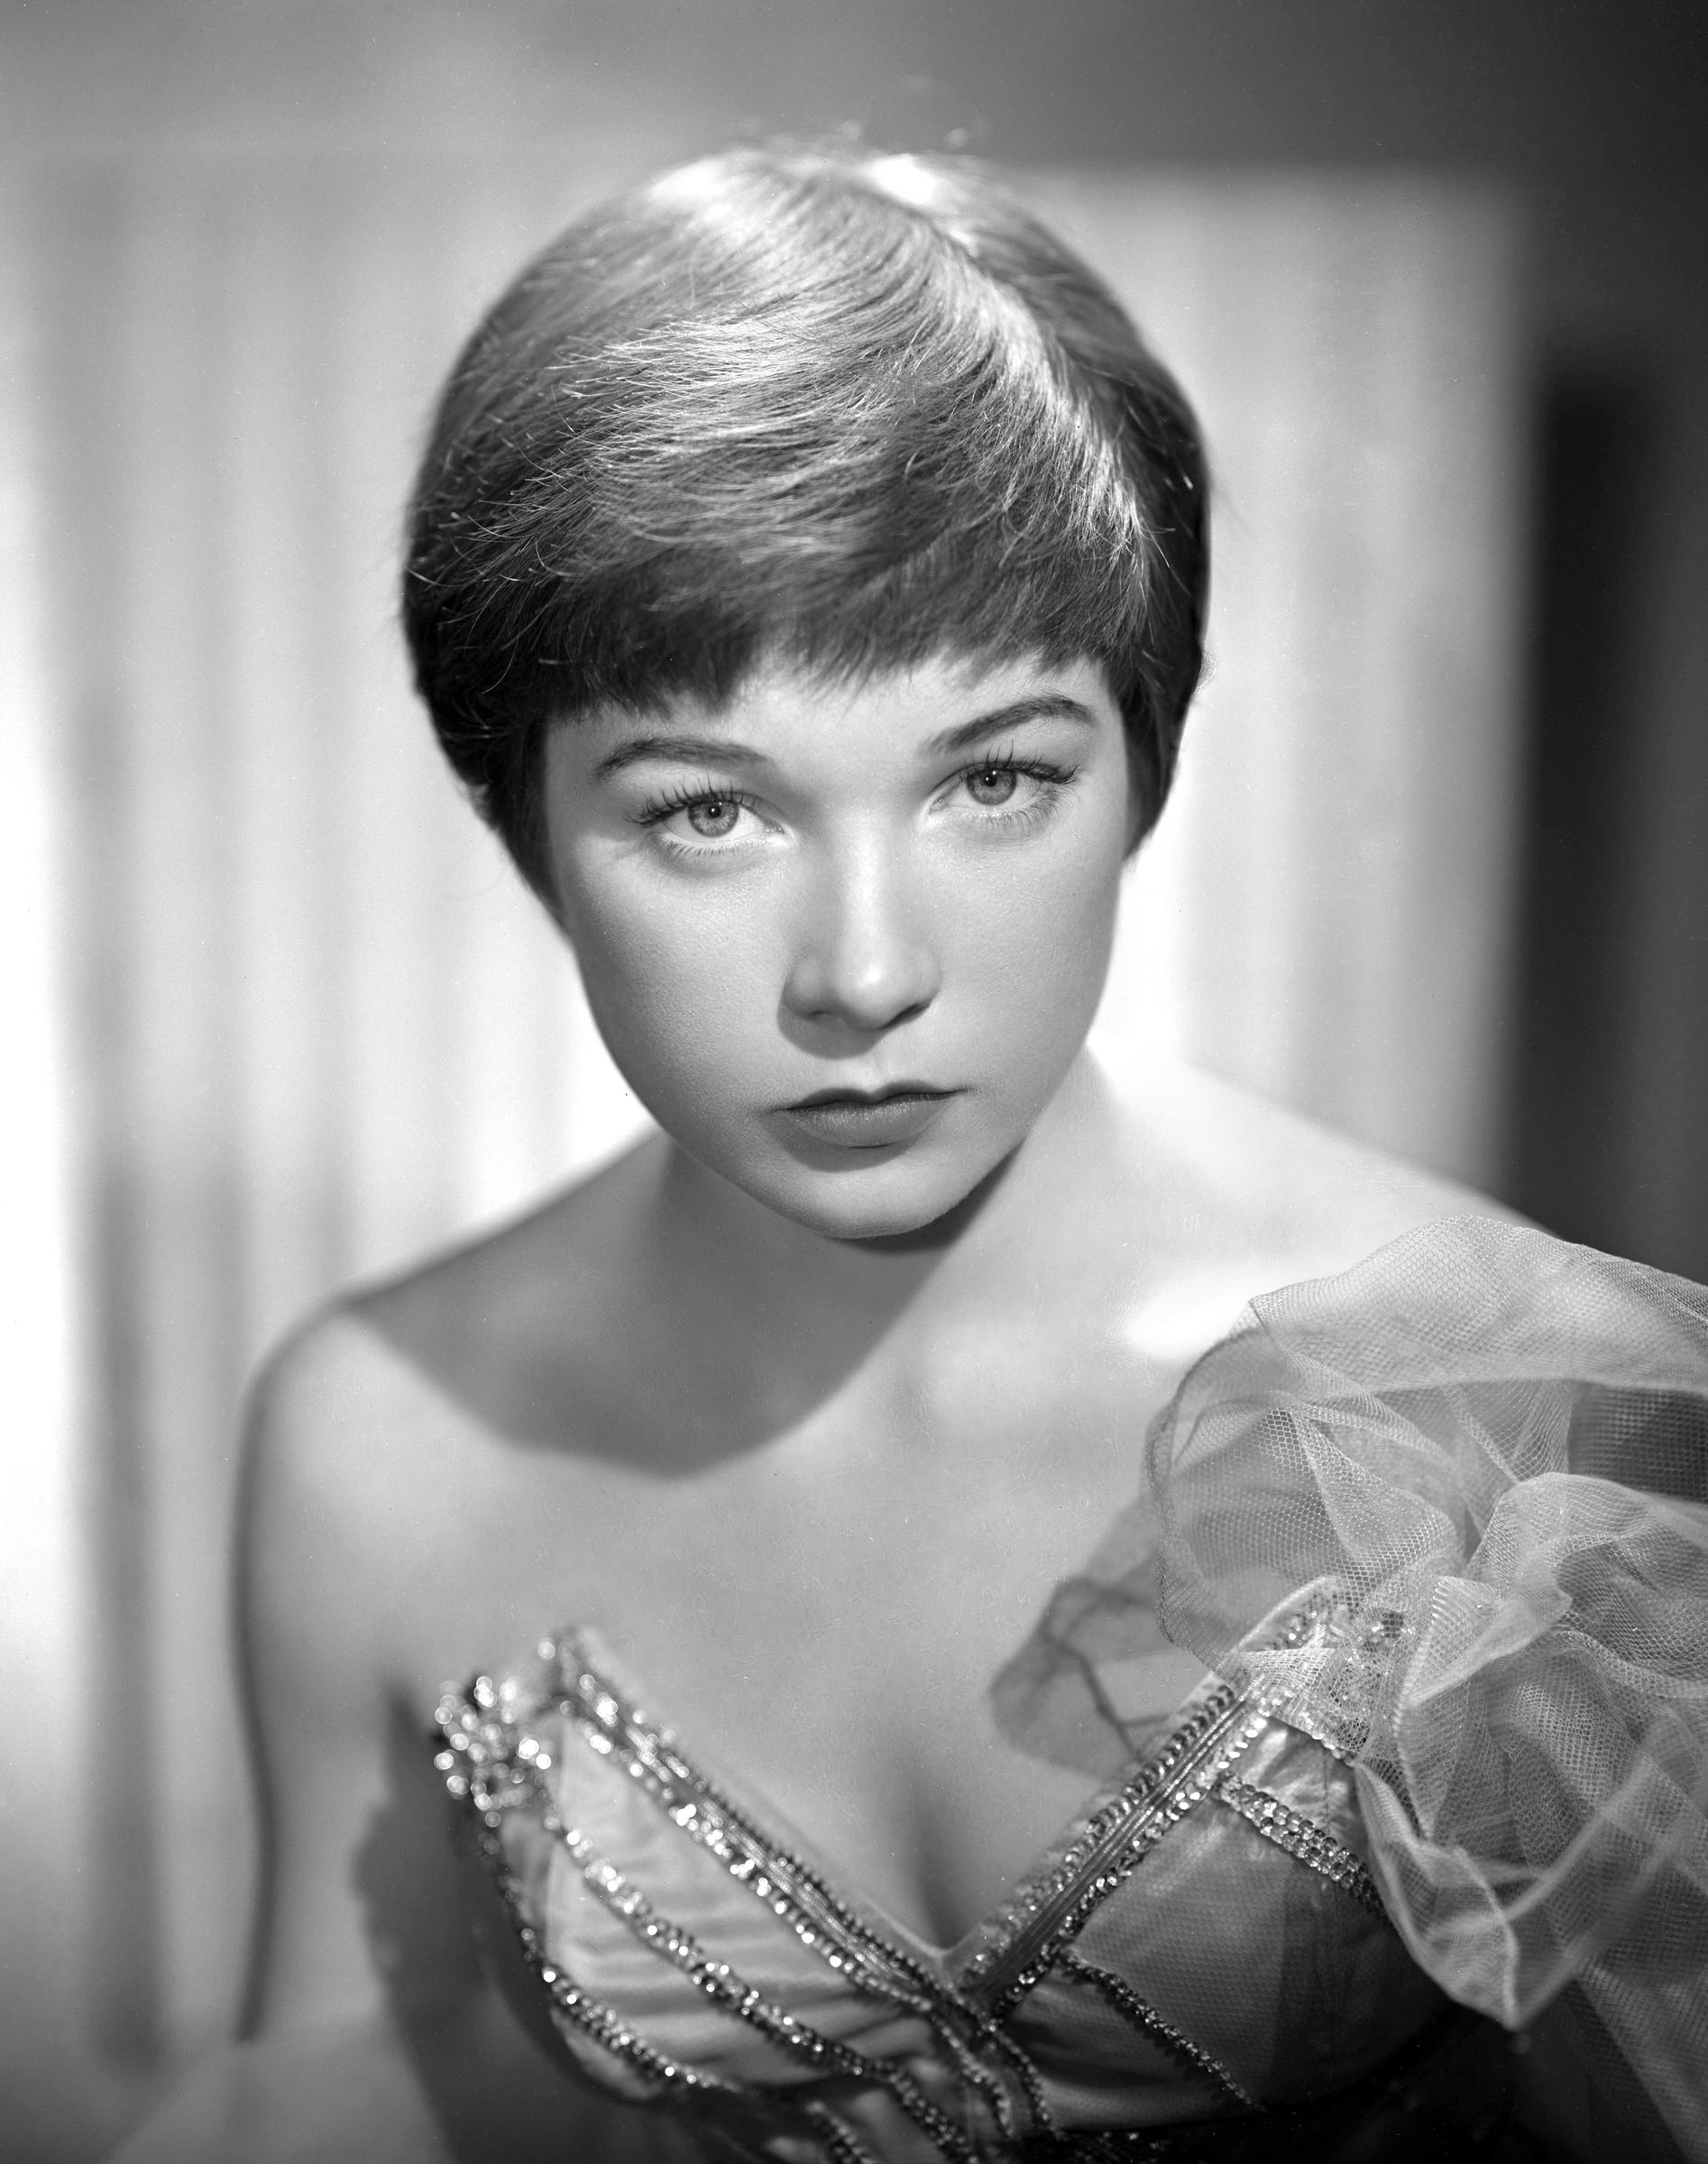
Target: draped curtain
[[310, 1025]]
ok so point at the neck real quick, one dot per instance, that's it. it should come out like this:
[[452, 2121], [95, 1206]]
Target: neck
[[804, 1310]]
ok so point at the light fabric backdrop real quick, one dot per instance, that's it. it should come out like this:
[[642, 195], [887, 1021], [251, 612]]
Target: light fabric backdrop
[[306, 1023]]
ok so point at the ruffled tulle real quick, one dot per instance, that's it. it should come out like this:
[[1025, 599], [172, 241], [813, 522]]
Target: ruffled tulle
[[1482, 1458]]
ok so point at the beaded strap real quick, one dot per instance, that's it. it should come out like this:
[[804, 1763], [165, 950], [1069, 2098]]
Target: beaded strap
[[789, 1888], [1050, 1914], [496, 1765], [726, 1988], [496, 1768], [1144, 2017], [1304, 1840]]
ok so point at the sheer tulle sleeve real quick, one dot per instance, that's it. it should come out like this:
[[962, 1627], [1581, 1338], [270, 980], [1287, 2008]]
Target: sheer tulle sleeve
[[1483, 1457], [1488, 1450]]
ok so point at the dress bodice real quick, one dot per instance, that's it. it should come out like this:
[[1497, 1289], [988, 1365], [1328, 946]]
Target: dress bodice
[[1440, 1754], [691, 1948]]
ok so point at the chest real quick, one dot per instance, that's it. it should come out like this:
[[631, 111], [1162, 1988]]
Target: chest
[[821, 1614], [1222, 1938]]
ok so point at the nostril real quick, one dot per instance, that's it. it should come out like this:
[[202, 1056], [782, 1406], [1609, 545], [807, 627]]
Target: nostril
[[873, 998], [862, 960]]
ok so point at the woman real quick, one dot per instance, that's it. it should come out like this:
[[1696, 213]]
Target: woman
[[806, 577]]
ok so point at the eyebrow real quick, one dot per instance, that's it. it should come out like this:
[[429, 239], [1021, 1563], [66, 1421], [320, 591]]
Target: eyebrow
[[1043, 706], [706, 751]]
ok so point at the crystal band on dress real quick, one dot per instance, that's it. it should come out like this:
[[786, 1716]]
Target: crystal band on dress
[[571, 2004], [1302, 1839], [1049, 1916], [1144, 2017], [470, 1719], [496, 1767], [502, 1745], [793, 1892], [790, 1888], [479, 1769], [729, 1990]]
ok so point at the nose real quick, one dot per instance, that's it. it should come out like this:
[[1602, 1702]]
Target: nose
[[864, 959]]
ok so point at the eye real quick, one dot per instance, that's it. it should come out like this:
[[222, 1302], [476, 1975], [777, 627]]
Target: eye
[[712, 817], [1003, 793], [704, 819], [992, 786]]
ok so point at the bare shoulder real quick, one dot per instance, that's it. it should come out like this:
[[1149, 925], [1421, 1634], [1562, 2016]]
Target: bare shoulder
[[1312, 1182], [1249, 1195], [363, 1588], [384, 1542], [392, 1426], [336, 1444]]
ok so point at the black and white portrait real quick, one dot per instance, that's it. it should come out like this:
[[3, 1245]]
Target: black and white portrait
[[855, 993]]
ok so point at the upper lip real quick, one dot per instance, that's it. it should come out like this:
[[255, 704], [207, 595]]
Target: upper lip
[[881, 1096]]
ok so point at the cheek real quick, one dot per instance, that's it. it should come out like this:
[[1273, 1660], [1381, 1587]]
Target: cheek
[[676, 984], [1031, 950]]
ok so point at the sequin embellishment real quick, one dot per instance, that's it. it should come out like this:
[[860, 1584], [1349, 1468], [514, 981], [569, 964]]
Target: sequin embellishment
[[1306, 1842], [1145, 2018], [497, 1758], [1047, 1916], [723, 1985], [794, 1893], [485, 1766]]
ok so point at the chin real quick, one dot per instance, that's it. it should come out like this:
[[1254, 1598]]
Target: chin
[[889, 1202]]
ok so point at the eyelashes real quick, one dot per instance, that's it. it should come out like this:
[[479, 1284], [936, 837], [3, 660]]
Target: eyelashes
[[1004, 801], [709, 813], [999, 792], [709, 796]]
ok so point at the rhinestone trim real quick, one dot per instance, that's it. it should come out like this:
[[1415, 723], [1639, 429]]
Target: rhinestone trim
[[790, 1888], [495, 1765], [573, 2007], [1114, 1841], [1144, 2017], [1301, 1838], [725, 1987], [1348, 1652], [1031, 1900], [772, 1873], [840, 2145]]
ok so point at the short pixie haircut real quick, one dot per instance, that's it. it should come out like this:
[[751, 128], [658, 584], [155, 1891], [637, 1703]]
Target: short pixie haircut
[[837, 409]]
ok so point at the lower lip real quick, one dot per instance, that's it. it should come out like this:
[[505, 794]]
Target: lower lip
[[848, 1125]]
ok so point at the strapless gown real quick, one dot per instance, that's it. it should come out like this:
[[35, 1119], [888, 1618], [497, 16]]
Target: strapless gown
[[1438, 1530]]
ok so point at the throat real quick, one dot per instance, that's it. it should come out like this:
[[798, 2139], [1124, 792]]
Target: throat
[[781, 1315]]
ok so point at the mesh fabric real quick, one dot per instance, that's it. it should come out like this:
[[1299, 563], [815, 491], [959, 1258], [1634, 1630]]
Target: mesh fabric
[[1483, 1455]]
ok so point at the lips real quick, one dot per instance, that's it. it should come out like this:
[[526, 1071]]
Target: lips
[[860, 1120]]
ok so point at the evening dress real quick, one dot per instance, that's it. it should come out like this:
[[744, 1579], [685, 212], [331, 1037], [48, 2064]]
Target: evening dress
[[1437, 1530]]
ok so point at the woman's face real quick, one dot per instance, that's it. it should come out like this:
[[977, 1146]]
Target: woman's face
[[844, 943]]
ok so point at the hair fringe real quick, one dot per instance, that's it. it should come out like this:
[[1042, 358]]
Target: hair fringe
[[850, 409]]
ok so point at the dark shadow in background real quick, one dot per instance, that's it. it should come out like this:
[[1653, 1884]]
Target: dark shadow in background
[[1578, 926]]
